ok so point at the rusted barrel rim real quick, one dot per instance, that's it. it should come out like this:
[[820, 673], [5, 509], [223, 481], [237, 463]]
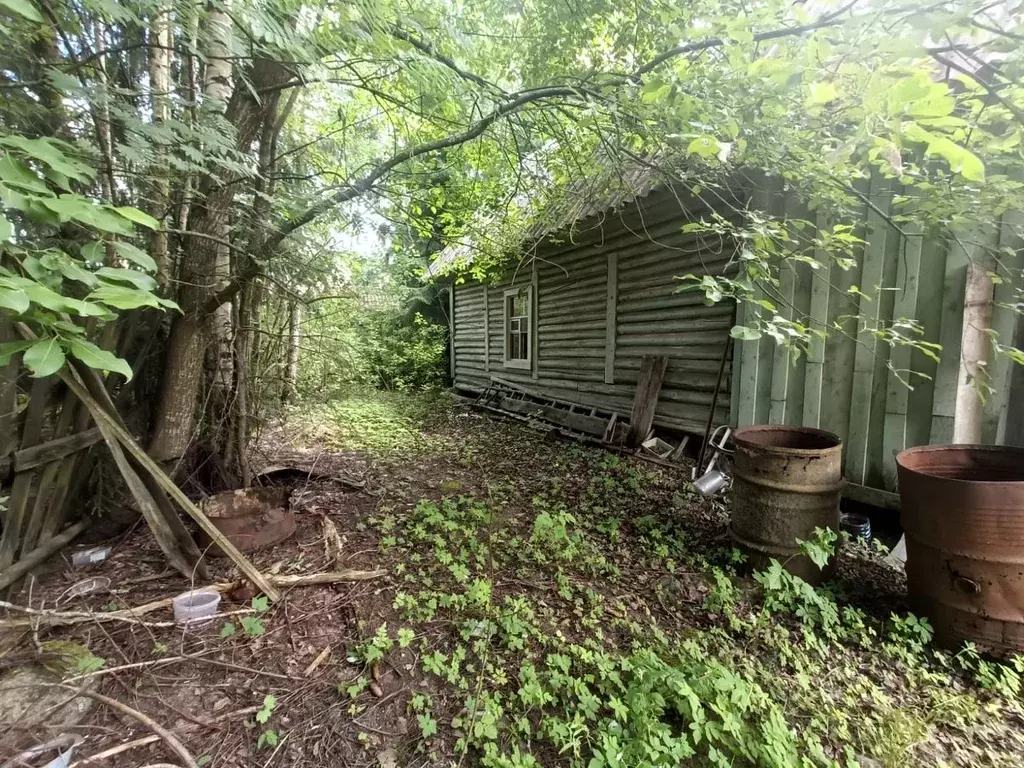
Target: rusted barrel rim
[[932, 450], [747, 436]]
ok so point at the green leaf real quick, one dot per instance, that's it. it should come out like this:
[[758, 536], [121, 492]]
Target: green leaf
[[260, 604], [140, 280], [135, 256], [73, 271], [97, 358], [94, 251], [703, 146], [252, 626], [121, 297], [745, 333], [44, 297], [16, 174], [24, 9], [822, 93], [134, 214], [44, 357], [6, 230], [10, 348], [14, 299], [227, 630]]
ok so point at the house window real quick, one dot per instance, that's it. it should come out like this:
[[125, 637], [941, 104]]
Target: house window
[[517, 328]]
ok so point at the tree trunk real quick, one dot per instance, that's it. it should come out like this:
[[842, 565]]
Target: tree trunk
[[291, 375], [189, 333], [160, 99], [204, 259]]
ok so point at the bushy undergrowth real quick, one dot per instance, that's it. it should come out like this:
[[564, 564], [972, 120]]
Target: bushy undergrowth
[[557, 656]]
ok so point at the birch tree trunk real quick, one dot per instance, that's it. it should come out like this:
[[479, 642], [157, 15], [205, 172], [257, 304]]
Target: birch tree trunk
[[160, 98], [206, 258], [291, 373], [175, 417]]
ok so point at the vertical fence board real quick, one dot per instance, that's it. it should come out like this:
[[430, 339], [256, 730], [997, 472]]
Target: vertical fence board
[[897, 399], [818, 316], [864, 368], [929, 313], [950, 333], [21, 488]]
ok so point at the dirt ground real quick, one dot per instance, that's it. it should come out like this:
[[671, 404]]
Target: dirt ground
[[367, 672]]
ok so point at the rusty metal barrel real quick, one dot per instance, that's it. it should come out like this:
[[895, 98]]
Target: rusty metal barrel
[[962, 509], [787, 483]]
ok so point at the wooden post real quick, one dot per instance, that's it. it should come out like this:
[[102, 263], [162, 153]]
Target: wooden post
[[610, 321], [652, 373]]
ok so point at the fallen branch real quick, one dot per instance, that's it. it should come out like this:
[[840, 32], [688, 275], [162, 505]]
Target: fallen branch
[[10, 575], [37, 616], [169, 738]]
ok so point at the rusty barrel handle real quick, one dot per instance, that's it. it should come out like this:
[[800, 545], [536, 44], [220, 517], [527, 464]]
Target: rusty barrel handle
[[966, 586]]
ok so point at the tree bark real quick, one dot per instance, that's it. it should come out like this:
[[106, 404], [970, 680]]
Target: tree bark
[[291, 375], [160, 100], [204, 260]]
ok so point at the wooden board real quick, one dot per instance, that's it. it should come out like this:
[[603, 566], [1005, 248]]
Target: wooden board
[[652, 373]]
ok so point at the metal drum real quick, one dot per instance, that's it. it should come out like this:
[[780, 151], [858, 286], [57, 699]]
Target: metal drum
[[787, 483], [962, 508]]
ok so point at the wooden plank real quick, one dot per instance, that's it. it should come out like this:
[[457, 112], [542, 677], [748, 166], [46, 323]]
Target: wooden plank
[[815, 365], [451, 330], [944, 401], [534, 316], [112, 426], [652, 373], [610, 322], [55, 450], [781, 360], [858, 439], [897, 399], [8, 393], [929, 314], [46, 488], [487, 328], [38, 555], [21, 488], [580, 422], [876, 497]]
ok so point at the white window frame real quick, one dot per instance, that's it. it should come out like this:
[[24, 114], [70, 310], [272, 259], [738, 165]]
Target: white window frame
[[527, 363]]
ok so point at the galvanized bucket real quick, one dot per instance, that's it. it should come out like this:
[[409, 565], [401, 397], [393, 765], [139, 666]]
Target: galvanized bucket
[[787, 483], [962, 508]]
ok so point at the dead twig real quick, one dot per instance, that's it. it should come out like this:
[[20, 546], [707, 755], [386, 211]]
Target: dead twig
[[321, 657], [169, 738], [132, 615]]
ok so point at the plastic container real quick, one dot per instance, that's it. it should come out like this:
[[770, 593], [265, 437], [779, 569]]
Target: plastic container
[[195, 607], [86, 557], [858, 526]]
